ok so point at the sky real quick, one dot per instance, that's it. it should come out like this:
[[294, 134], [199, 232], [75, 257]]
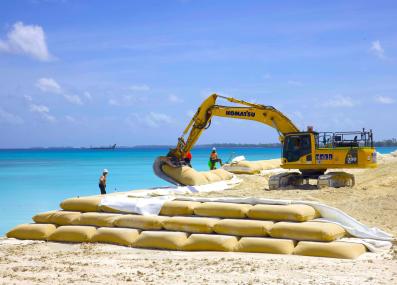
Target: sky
[[81, 73]]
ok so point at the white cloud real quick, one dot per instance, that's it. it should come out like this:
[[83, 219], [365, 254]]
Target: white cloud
[[39, 108], [143, 87], [28, 98], [377, 49], [190, 113], [9, 118], [294, 83], [174, 99], [157, 119], [48, 85], [70, 119], [73, 99], [26, 39], [43, 111], [127, 100], [152, 120], [113, 102], [340, 101], [87, 95], [384, 99]]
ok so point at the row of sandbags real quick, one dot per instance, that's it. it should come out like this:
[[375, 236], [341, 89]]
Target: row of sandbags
[[310, 230], [251, 167], [198, 226], [177, 240], [186, 175], [291, 212]]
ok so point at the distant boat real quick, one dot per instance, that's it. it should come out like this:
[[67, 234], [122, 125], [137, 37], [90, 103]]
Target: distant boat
[[110, 147]]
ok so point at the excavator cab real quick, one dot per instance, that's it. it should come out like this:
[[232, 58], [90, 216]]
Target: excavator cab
[[313, 153], [297, 146]]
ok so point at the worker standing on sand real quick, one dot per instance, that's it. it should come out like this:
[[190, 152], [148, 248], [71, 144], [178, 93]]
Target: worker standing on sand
[[188, 158], [214, 159], [102, 181]]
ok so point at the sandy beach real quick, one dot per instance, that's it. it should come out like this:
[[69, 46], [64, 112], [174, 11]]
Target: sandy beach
[[372, 201]]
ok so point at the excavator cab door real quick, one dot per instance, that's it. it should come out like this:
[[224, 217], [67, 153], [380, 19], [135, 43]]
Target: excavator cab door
[[296, 146]]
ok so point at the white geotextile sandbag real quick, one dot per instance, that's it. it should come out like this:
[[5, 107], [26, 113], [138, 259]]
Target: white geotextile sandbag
[[150, 201], [238, 159], [143, 206]]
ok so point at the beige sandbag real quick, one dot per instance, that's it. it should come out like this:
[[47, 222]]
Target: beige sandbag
[[161, 240], [43, 218], [243, 167], [107, 209], [73, 234], [292, 212], [242, 227], [314, 231], [82, 204], [121, 236], [58, 217], [178, 208], [211, 177], [269, 164], [335, 249], [140, 222], [222, 210], [265, 245], [222, 173], [32, 231], [205, 242], [190, 224], [185, 175], [98, 219]]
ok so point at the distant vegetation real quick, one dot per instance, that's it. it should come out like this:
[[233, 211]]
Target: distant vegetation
[[390, 142], [384, 143]]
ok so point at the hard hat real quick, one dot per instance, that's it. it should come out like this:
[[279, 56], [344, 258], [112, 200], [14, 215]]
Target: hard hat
[[214, 148], [105, 171]]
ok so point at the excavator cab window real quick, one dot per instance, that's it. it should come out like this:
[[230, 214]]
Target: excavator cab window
[[296, 146]]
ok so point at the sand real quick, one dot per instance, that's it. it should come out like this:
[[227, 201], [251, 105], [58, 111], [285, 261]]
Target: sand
[[372, 201]]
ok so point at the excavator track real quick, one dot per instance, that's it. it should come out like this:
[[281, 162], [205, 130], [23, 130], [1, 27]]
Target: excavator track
[[285, 180], [336, 180], [296, 180]]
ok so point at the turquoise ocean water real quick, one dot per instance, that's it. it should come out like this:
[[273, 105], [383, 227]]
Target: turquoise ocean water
[[34, 181]]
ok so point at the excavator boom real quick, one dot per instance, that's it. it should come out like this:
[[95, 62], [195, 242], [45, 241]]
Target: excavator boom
[[249, 111]]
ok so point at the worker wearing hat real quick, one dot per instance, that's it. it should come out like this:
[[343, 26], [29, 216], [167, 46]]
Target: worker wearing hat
[[214, 159], [102, 181]]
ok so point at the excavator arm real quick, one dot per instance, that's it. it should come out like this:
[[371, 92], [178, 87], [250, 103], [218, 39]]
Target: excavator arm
[[248, 111]]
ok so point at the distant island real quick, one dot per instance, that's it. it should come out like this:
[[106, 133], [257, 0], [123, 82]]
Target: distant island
[[384, 143]]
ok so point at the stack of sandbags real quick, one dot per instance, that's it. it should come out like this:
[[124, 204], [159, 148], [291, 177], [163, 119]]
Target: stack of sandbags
[[188, 176], [251, 167], [196, 226]]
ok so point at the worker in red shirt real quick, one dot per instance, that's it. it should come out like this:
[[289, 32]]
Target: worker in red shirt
[[188, 158]]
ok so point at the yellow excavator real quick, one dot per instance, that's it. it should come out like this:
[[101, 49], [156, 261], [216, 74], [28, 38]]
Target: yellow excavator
[[310, 152]]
